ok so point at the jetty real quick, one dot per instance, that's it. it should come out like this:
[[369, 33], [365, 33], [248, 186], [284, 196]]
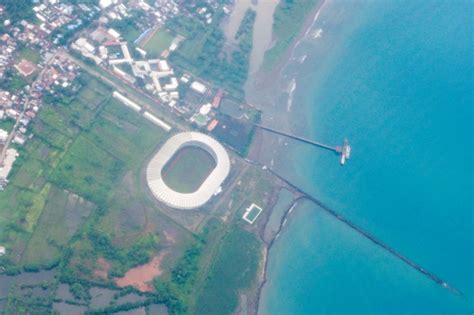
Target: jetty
[[364, 233], [344, 151]]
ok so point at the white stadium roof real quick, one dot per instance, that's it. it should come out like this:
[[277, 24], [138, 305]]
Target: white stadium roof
[[207, 189]]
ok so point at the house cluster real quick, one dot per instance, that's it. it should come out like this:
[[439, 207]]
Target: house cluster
[[106, 47], [205, 116], [155, 14], [60, 73], [113, 10], [206, 10], [144, 16], [31, 35], [11, 107], [10, 104], [19, 108], [28, 33], [205, 14], [7, 49], [54, 14], [60, 18], [163, 10]]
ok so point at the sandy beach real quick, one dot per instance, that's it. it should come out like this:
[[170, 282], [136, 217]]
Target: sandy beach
[[260, 92]]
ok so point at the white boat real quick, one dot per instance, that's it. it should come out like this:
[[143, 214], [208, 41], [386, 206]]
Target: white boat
[[345, 152]]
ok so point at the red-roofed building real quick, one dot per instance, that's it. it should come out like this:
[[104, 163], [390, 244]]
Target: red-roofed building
[[216, 102], [25, 68], [111, 43], [30, 114], [213, 124]]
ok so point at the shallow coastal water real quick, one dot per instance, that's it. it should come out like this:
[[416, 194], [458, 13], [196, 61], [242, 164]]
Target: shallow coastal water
[[396, 79], [262, 36], [328, 268]]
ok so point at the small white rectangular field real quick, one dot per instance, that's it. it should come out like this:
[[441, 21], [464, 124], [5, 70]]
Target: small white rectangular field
[[251, 213]]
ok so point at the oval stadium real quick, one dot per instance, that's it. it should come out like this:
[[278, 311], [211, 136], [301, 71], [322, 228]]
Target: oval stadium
[[187, 170]]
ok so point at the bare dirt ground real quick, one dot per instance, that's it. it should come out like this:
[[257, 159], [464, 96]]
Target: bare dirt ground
[[139, 277]]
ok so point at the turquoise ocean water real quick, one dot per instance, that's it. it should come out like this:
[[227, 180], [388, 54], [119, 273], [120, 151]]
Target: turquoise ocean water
[[396, 78]]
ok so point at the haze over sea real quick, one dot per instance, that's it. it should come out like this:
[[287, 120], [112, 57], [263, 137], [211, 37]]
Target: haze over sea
[[396, 79]]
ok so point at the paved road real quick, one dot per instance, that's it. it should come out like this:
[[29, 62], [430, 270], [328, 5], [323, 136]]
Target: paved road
[[134, 93], [25, 107]]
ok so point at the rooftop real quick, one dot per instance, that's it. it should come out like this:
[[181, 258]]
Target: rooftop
[[207, 189]]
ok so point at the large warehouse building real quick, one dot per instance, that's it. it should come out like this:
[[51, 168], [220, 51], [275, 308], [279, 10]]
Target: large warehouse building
[[209, 186]]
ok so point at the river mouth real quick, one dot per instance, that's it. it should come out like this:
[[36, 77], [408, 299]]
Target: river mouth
[[262, 31]]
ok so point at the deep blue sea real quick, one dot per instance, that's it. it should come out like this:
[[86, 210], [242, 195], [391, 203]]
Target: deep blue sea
[[396, 79]]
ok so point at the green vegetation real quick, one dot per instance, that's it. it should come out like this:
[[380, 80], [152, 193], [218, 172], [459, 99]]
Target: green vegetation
[[207, 279], [246, 25], [29, 54], [160, 41], [87, 170], [203, 52], [80, 292], [111, 144], [127, 27], [288, 19], [76, 201], [188, 169], [253, 214], [23, 300], [63, 35], [233, 269], [12, 81], [82, 147], [180, 288], [63, 214], [7, 124], [18, 10], [122, 258]]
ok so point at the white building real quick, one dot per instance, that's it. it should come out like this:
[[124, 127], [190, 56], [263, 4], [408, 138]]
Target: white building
[[7, 165], [208, 188], [113, 33], [198, 87], [105, 4], [3, 136]]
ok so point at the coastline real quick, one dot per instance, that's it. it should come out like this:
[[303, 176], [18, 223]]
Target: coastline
[[266, 251], [276, 87], [262, 80]]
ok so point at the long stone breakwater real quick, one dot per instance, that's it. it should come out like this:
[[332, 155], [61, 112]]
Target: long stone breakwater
[[361, 231]]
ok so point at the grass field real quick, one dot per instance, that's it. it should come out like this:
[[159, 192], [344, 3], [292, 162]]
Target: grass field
[[232, 270], [88, 170], [76, 195], [288, 20], [61, 217], [81, 150], [160, 41], [188, 169], [7, 124], [30, 55]]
